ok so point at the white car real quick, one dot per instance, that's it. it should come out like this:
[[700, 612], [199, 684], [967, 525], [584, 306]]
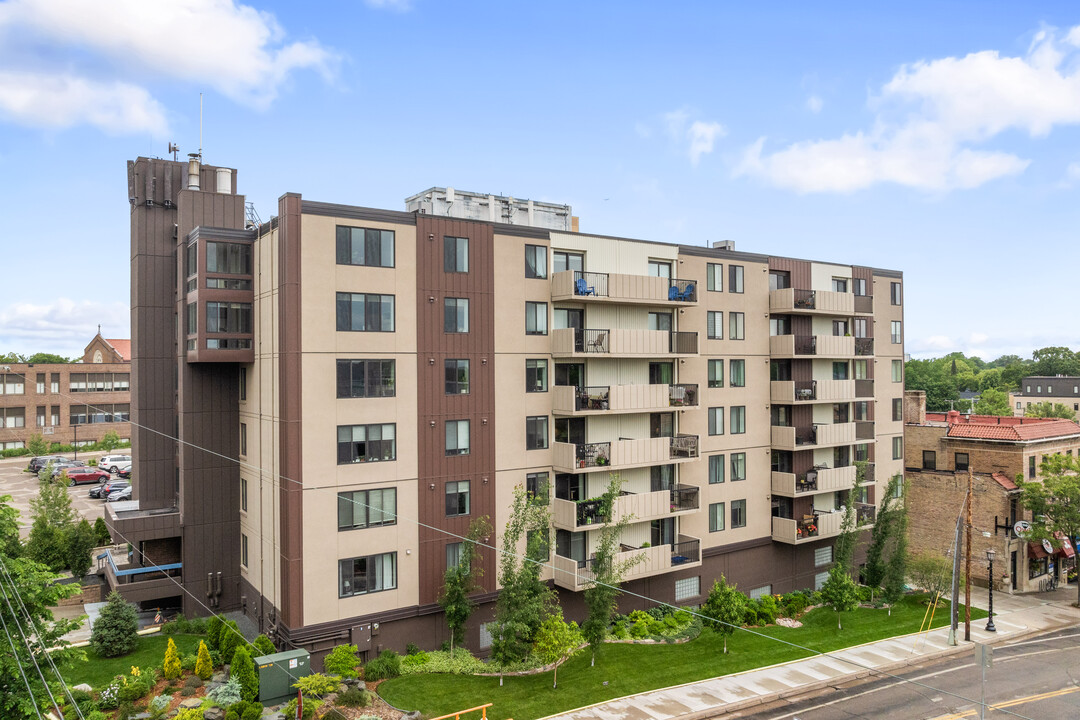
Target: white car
[[113, 463]]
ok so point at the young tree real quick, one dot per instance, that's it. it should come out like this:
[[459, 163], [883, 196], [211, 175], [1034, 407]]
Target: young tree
[[931, 572], [725, 607], [839, 592], [844, 547], [114, 632], [461, 579], [79, 542], [243, 669], [993, 402], [524, 600], [1049, 410], [37, 445], [102, 536], [52, 517], [10, 545], [602, 588], [229, 638], [896, 568], [204, 666], [213, 632], [109, 441], [557, 641], [1054, 500], [171, 667]]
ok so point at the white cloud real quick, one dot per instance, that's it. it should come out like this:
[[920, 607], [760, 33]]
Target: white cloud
[[60, 101], [698, 137], [928, 117], [814, 104], [396, 5], [63, 326], [1072, 172]]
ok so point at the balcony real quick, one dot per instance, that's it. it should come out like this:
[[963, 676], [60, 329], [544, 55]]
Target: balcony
[[658, 559], [788, 392], [639, 507], [809, 529], [864, 430], [618, 288], [827, 346], [864, 347], [818, 480], [584, 342], [822, 302], [803, 438], [616, 399], [623, 454], [864, 304], [865, 514], [864, 388]]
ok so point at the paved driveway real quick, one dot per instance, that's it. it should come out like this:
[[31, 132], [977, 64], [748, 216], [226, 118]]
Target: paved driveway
[[23, 485]]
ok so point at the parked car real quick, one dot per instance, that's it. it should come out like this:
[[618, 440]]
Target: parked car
[[125, 473], [121, 494], [102, 491], [123, 469], [60, 467], [112, 463], [79, 475], [41, 461]]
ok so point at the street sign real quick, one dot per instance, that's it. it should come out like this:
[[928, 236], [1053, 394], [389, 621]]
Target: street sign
[[984, 655]]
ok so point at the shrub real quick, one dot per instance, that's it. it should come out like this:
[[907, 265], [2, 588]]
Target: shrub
[[864, 592], [125, 711], [114, 632], [204, 666], [254, 711], [96, 715], [227, 694], [101, 532], [656, 627], [187, 691], [332, 714], [193, 681], [355, 697], [318, 684], [411, 649], [415, 660], [750, 616], [387, 665], [342, 661], [158, 706], [243, 669], [188, 662], [640, 629], [213, 631], [232, 715], [229, 639], [171, 668], [310, 706], [80, 696], [461, 662], [263, 646], [189, 714]]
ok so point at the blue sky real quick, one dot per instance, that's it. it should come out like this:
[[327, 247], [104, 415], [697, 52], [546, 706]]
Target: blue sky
[[941, 139]]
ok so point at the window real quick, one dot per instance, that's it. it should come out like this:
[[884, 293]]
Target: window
[[716, 421], [536, 318], [243, 494], [779, 325], [738, 466], [660, 268], [840, 328], [457, 498], [99, 382], [736, 326], [365, 312], [54, 413], [365, 246], [563, 260], [453, 555], [820, 579], [898, 409], [716, 469], [536, 432], [41, 416], [779, 279], [16, 417], [839, 285], [372, 573], [895, 293], [228, 258], [898, 371], [41, 383], [457, 437], [367, 443], [716, 517], [485, 635], [456, 374], [929, 460], [716, 373], [896, 332], [687, 588], [760, 592], [54, 382], [860, 327], [961, 461], [899, 487], [243, 384], [738, 420], [862, 411], [85, 414], [456, 315], [840, 370], [858, 286], [860, 369], [535, 261], [823, 556], [225, 284], [455, 254], [735, 278], [243, 550], [715, 329], [365, 378], [536, 376], [1031, 465], [738, 513], [714, 277], [361, 509], [243, 438], [536, 486], [738, 373], [660, 321], [897, 448]]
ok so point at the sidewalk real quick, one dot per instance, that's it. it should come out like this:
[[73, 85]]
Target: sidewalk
[[1015, 616]]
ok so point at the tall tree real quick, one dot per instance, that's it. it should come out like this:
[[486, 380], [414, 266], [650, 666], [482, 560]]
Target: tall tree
[[10, 545], [557, 641], [844, 547], [892, 584], [1054, 500], [1050, 361], [114, 631], [1049, 410], [993, 402], [460, 580], [42, 358], [52, 516], [725, 606], [883, 534], [79, 541]]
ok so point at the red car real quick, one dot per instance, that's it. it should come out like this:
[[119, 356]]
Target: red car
[[79, 475]]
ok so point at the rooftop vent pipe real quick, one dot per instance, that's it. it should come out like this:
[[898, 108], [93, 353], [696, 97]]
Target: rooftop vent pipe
[[194, 166]]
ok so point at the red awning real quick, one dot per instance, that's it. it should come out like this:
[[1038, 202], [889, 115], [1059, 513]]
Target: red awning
[[1066, 549], [1035, 551]]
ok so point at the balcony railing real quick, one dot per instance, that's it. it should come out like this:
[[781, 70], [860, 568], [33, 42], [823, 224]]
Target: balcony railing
[[593, 398], [819, 479], [591, 341], [683, 343], [623, 398], [864, 514], [786, 392], [684, 446], [826, 346], [864, 388], [593, 454], [683, 395], [826, 302], [805, 300], [638, 507], [686, 551], [622, 288], [864, 430], [864, 346], [806, 345], [589, 283], [622, 342], [864, 304], [810, 528], [621, 454], [806, 435], [685, 497], [805, 390], [655, 560], [683, 291]]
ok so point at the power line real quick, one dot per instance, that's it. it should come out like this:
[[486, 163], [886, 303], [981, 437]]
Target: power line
[[18, 664], [26, 642]]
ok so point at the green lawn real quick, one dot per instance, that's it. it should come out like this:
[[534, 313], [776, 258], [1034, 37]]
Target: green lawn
[[98, 671], [629, 669]]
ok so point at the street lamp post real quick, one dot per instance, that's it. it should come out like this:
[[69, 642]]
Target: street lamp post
[[990, 582]]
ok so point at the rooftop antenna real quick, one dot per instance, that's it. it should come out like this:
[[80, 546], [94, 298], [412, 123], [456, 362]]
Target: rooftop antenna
[[200, 127], [174, 149]]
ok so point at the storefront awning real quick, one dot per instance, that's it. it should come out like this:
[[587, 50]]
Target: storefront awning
[[1036, 552], [1066, 549]]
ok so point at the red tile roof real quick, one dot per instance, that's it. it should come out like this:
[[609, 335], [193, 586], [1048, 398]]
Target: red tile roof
[[121, 346], [1004, 481], [1009, 429]]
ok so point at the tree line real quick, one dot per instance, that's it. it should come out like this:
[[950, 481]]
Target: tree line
[[35, 359]]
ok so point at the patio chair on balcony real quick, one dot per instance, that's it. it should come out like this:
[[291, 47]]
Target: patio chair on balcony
[[599, 343], [583, 288], [683, 296]]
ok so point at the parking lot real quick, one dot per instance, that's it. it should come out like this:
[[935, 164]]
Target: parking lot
[[23, 485]]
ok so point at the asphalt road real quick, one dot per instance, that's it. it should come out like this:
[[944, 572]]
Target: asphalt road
[[23, 485], [1036, 678]]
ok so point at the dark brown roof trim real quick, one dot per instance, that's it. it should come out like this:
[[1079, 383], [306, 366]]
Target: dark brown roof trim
[[215, 233], [353, 212]]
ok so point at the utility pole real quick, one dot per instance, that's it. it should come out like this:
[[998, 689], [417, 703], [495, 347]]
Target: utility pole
[[967, 565], [955, 576]]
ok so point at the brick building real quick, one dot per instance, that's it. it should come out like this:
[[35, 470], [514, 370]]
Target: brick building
[[941, 449], [68, 403]]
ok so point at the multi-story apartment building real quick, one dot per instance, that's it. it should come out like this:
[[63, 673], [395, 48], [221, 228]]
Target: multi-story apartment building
[[1058, 389], [943, 449], [67, 403], [386, 377]]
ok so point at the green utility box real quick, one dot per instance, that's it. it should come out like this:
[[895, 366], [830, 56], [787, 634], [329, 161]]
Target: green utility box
[[278, 672]]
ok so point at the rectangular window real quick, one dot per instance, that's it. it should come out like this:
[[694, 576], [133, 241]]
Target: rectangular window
[[715, 325], [929, 460], [457, 498], [222, 317], [660, 268], [359, 509], [823, 556], [456, 374], [898, 371], [453, 555], [895, 293], [839, 285], [41, 416], [535, 261], [41, 383], [365, 378], [456, 315], [536, 486], [563, 260], [365, 312], [243, 494], [738, 513], [1031, 466], [858, 286], [536, 376], [736, 326], [54, 415], [714, 277], [536, 432], [735, 278], [243, 548], [716, 517], [457, 437], [961, 461], [898, 409], [716, 373], [820, 579], [243, 438], [455, 254], [738, 466], [687, 588], [760, 592], [860, 369], [716, 421], [897, 448], [536, 318], [738, 373], [365, 246], [16, 417], [897, 336], [840, 370], [228, 258], [243, 384], [862, 411], [54, 382], [738, 420], [361, 575], [716, 469], [367, 443]]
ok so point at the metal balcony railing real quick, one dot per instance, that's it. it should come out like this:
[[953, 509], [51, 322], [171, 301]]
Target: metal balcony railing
[[807, 527], [683, 290], [592, 341], [864, 388], [590, 283], [683, 395], [864, 514], [685, 497], [864, 346], [864, 303], [864, 430], [684, 342], [806, 435], [594, 454], [806, 390], [806, 482], [687, 550], [806, 345], [597, 397], [805, 300]]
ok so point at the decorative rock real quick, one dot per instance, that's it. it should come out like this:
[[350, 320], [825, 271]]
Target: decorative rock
[[218, 677], [141, 716], [84, 687], [274, 716], [214, 713], [191, 703], [343, 688], [330, 700], [351, 682], [414, 715]]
